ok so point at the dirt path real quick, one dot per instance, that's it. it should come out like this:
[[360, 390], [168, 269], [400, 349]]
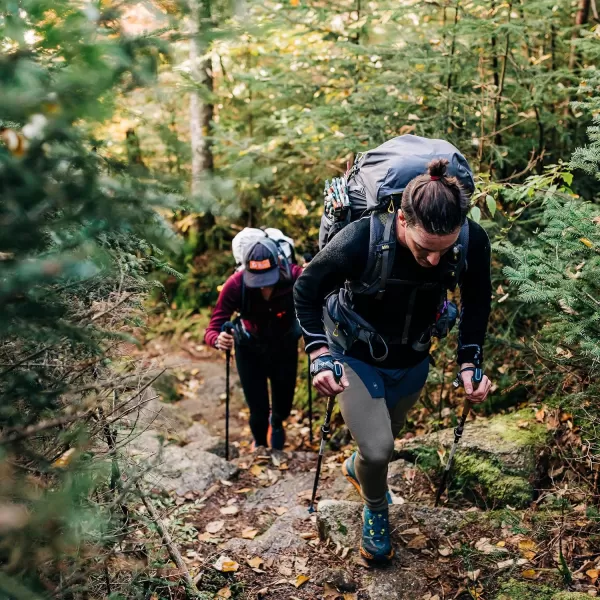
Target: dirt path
[[245, 531]]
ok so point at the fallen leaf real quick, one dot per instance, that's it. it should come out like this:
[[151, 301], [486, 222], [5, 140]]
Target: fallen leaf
[[445, 551], [530, 574], [301, 565], [330, 592], [256, 470], [301, 580], [417, 543], [586, 242], [285, 570], [504, 564], [593, 574], [230, 510], [350, 596], [205, 537], [224, 593], [64, 459], [214, 526], [474, 575], [249, 534], [243, 491], [226, 565], [414, 531], [255, 562], [528, 546], [280, 510], [262, 593]]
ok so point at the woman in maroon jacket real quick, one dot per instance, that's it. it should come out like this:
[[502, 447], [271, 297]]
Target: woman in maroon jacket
[[266, 337]]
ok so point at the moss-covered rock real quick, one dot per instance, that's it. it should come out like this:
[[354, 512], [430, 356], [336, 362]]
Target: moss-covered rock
[[496, 458], [515, 590], [570, 596]]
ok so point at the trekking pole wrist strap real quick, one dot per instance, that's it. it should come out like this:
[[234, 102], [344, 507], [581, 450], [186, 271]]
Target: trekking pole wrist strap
[[326, 362], [477, 375]]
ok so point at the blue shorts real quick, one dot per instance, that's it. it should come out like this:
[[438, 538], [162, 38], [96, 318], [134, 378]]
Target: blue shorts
[[391, 384]]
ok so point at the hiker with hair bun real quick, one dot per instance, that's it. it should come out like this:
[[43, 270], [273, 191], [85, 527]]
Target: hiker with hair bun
[[265, 335], [376, 294]]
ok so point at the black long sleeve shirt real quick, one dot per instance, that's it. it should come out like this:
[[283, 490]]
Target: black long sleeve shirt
[[345, 258]]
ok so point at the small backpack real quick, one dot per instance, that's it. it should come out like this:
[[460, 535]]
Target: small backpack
[[246, 238]]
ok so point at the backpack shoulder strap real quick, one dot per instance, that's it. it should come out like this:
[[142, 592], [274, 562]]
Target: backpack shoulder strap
[[463, 240], [244, 302], [387, 249]]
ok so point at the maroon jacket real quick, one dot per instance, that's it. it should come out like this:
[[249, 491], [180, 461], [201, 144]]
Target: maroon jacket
[[264, 319]]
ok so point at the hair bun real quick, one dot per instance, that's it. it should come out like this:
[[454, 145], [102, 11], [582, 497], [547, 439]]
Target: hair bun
[[437, 168]]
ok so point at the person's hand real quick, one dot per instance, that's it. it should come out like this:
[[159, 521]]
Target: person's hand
[[478, 395], [225, 341], [325, 382]]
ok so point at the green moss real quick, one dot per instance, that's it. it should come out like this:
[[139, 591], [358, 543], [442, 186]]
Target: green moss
[[514, 590], [473, 470], [507, 427], [570, 596], [424, 457]]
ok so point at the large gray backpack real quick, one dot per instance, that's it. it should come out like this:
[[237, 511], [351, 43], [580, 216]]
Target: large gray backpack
[[380, 175]]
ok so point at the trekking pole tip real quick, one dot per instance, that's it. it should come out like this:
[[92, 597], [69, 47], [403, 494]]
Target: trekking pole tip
[[311, 509]]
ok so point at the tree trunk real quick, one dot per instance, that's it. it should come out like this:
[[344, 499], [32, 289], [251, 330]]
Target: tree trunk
[[239, 8], [134, 152], [583, 15], [201, 113]]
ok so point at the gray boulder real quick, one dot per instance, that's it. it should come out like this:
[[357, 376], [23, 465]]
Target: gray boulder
[[282, 537], [179, 469]]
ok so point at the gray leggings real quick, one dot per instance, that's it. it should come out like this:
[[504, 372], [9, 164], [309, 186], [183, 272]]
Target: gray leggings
[[374, 429]]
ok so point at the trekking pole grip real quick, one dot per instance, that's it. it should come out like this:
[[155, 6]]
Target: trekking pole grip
[[227, 327]]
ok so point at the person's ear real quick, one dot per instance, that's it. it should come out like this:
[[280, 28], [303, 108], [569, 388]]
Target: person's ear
[[401, 218]]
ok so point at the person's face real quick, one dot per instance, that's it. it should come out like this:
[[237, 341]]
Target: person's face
[[427, 248]]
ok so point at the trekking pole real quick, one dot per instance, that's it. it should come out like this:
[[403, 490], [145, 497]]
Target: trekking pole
[[227, 328], [337, 373], [310, 413], [458, 430]]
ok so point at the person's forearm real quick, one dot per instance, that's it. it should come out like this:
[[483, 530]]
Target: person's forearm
[[476, 298], [225, 307], [319, 352]]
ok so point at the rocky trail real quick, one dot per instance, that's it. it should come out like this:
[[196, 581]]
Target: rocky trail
[[244, 531]]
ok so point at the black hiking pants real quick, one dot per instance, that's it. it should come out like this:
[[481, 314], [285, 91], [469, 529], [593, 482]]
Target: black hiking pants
[[257, 364]]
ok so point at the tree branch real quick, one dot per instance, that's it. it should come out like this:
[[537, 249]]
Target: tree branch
[[171, 548]]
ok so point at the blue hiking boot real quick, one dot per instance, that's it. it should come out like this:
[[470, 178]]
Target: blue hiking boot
[[276, 437], [350, 474], [376, 544]]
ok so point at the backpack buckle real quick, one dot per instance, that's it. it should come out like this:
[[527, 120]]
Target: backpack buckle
[[384, 247]]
